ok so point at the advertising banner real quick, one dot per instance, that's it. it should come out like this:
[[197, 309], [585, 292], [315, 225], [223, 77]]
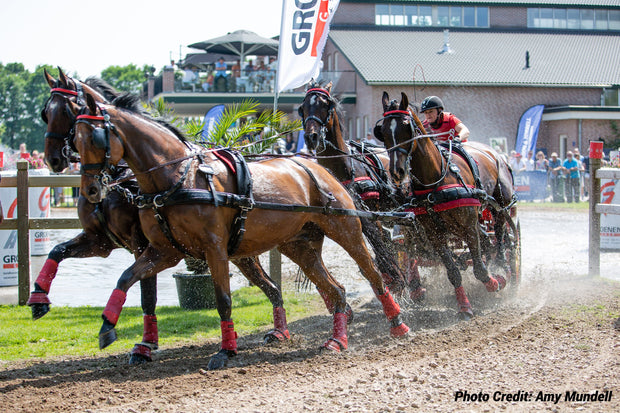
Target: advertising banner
[[610, 223], [527, 134]]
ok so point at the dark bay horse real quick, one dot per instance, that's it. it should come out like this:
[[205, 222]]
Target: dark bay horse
[[363, 169], [189, 205], [114, 222], [445, 195]]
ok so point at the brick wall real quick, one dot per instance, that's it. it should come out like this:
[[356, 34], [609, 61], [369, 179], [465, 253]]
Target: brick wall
[[507, 17]]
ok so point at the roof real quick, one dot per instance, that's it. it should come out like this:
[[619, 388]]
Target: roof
[[481, 58], [518, 3]]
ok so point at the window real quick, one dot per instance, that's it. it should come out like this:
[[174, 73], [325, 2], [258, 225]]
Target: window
[[455, 16], [443, 16], [469, 16], [411, 15], [600, 19], [573, 19], [335, 62], [397, 18], [610, 97], [382, 14], [482, 17], [426, 16]]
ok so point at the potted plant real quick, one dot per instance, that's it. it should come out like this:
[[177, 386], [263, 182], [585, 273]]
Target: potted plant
[[195, 287]]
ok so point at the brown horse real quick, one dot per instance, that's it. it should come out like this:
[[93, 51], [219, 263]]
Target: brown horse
[[190, 205], [363, 169], [114, 222], [446, 197]]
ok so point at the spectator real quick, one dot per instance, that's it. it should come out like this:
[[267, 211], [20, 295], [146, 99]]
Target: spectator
[[220, 68], [582, 168], [23, 152], [236, 69], [541, 163], [571, 186], [529, 162], [518, 164], [555, 178], [290, 144]]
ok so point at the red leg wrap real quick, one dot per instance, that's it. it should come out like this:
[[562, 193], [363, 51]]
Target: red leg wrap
[[400, 330], [279, 321], [144, 351], [390, 308], [501, 281], [462, 300], [150, 334], [328, 303], [114, 306], [229, 336], [339, 338], [47, 274], [492, 285]]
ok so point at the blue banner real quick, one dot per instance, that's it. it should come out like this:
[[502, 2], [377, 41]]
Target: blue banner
[[531, 185], [211, 118], [527, 134]]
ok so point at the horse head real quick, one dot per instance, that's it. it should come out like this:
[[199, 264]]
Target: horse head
[[396, 130], [317, 113], [60, 113], [100, 148]]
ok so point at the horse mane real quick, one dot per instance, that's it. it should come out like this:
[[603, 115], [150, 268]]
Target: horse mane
[[132, 103], [335, 98], [103, 87]]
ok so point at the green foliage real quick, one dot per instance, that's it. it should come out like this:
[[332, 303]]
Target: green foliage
[[73, 330], [126, 78], [22, 97]]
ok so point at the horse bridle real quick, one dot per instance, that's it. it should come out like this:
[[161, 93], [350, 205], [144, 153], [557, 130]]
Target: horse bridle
[[322, 123], [66, 94], [101, 140]]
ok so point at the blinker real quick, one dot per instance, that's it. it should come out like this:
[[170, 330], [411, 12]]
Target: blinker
[[99, 138]]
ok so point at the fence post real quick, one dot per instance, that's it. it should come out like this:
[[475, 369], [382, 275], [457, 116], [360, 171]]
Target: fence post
[[275, 266], [23, 233], [594, 250]]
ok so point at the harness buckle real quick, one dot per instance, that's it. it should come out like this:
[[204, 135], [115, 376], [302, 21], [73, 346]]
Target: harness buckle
[[158, 201]]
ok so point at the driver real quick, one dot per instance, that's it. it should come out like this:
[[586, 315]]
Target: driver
[[438, 121]]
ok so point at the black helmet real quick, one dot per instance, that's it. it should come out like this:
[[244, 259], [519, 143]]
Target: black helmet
[[431, 102]]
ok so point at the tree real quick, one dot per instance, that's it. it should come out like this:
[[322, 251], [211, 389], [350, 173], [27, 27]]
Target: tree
[[126, 78], [22, 97]]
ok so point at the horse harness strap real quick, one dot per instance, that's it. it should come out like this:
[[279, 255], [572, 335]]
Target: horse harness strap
[[106, 230], [458, 149]]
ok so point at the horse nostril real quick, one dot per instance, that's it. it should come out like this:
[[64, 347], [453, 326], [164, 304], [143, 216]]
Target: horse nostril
[[400, 172], [93, 191]]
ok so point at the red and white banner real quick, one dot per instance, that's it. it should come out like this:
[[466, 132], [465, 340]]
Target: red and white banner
[[305, 25]]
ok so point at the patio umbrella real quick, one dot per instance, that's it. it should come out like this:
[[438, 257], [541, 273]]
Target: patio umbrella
[[240, 43]]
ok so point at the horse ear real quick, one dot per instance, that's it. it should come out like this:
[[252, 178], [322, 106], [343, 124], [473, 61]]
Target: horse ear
[[62, 78], [328, 87], [386, 101], [404, 101], [310, 84], [92, 105], [50, 80]]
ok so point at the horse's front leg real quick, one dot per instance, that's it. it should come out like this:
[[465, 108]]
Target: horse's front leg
[[151, 262], [218, 263], [481, 272], [84, 245], [253, 271], [141, 352]]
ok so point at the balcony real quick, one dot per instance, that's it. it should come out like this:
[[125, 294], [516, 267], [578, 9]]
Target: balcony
[[194, 99]]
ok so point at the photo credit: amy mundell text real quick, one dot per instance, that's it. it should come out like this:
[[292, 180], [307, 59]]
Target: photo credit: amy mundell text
[[531, 396]]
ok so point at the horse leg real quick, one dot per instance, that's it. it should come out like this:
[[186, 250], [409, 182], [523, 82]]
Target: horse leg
[[454, 275], [82, 246], [148, 264], [492, 284], [141, 352], [416, 292], [345, 233], [253, 271], [302, 253]]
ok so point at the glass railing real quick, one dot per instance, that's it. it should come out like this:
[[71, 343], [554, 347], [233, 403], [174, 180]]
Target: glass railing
[[257, 82]]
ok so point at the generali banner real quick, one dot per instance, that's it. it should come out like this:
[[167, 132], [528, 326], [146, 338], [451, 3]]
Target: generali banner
[[305, 25]]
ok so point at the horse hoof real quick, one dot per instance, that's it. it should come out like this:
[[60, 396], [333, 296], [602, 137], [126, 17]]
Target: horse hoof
[[140, 354], [399, 331], [220, 360], [349, 313], [276, 336], [501, 281], [418, 295], [465, 315], [107, 335], [39, 310], [335, 345], [492, 285]]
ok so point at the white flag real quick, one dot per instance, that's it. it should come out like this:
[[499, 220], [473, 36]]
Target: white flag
[[305, 24]]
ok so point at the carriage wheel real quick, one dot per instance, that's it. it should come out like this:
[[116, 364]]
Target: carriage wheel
[[513, 252]]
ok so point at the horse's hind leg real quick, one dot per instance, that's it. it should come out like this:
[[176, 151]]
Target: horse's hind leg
[[347, 233], [141, 352], [454, 275], [253, 271], [492, 284], [302, 253]]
